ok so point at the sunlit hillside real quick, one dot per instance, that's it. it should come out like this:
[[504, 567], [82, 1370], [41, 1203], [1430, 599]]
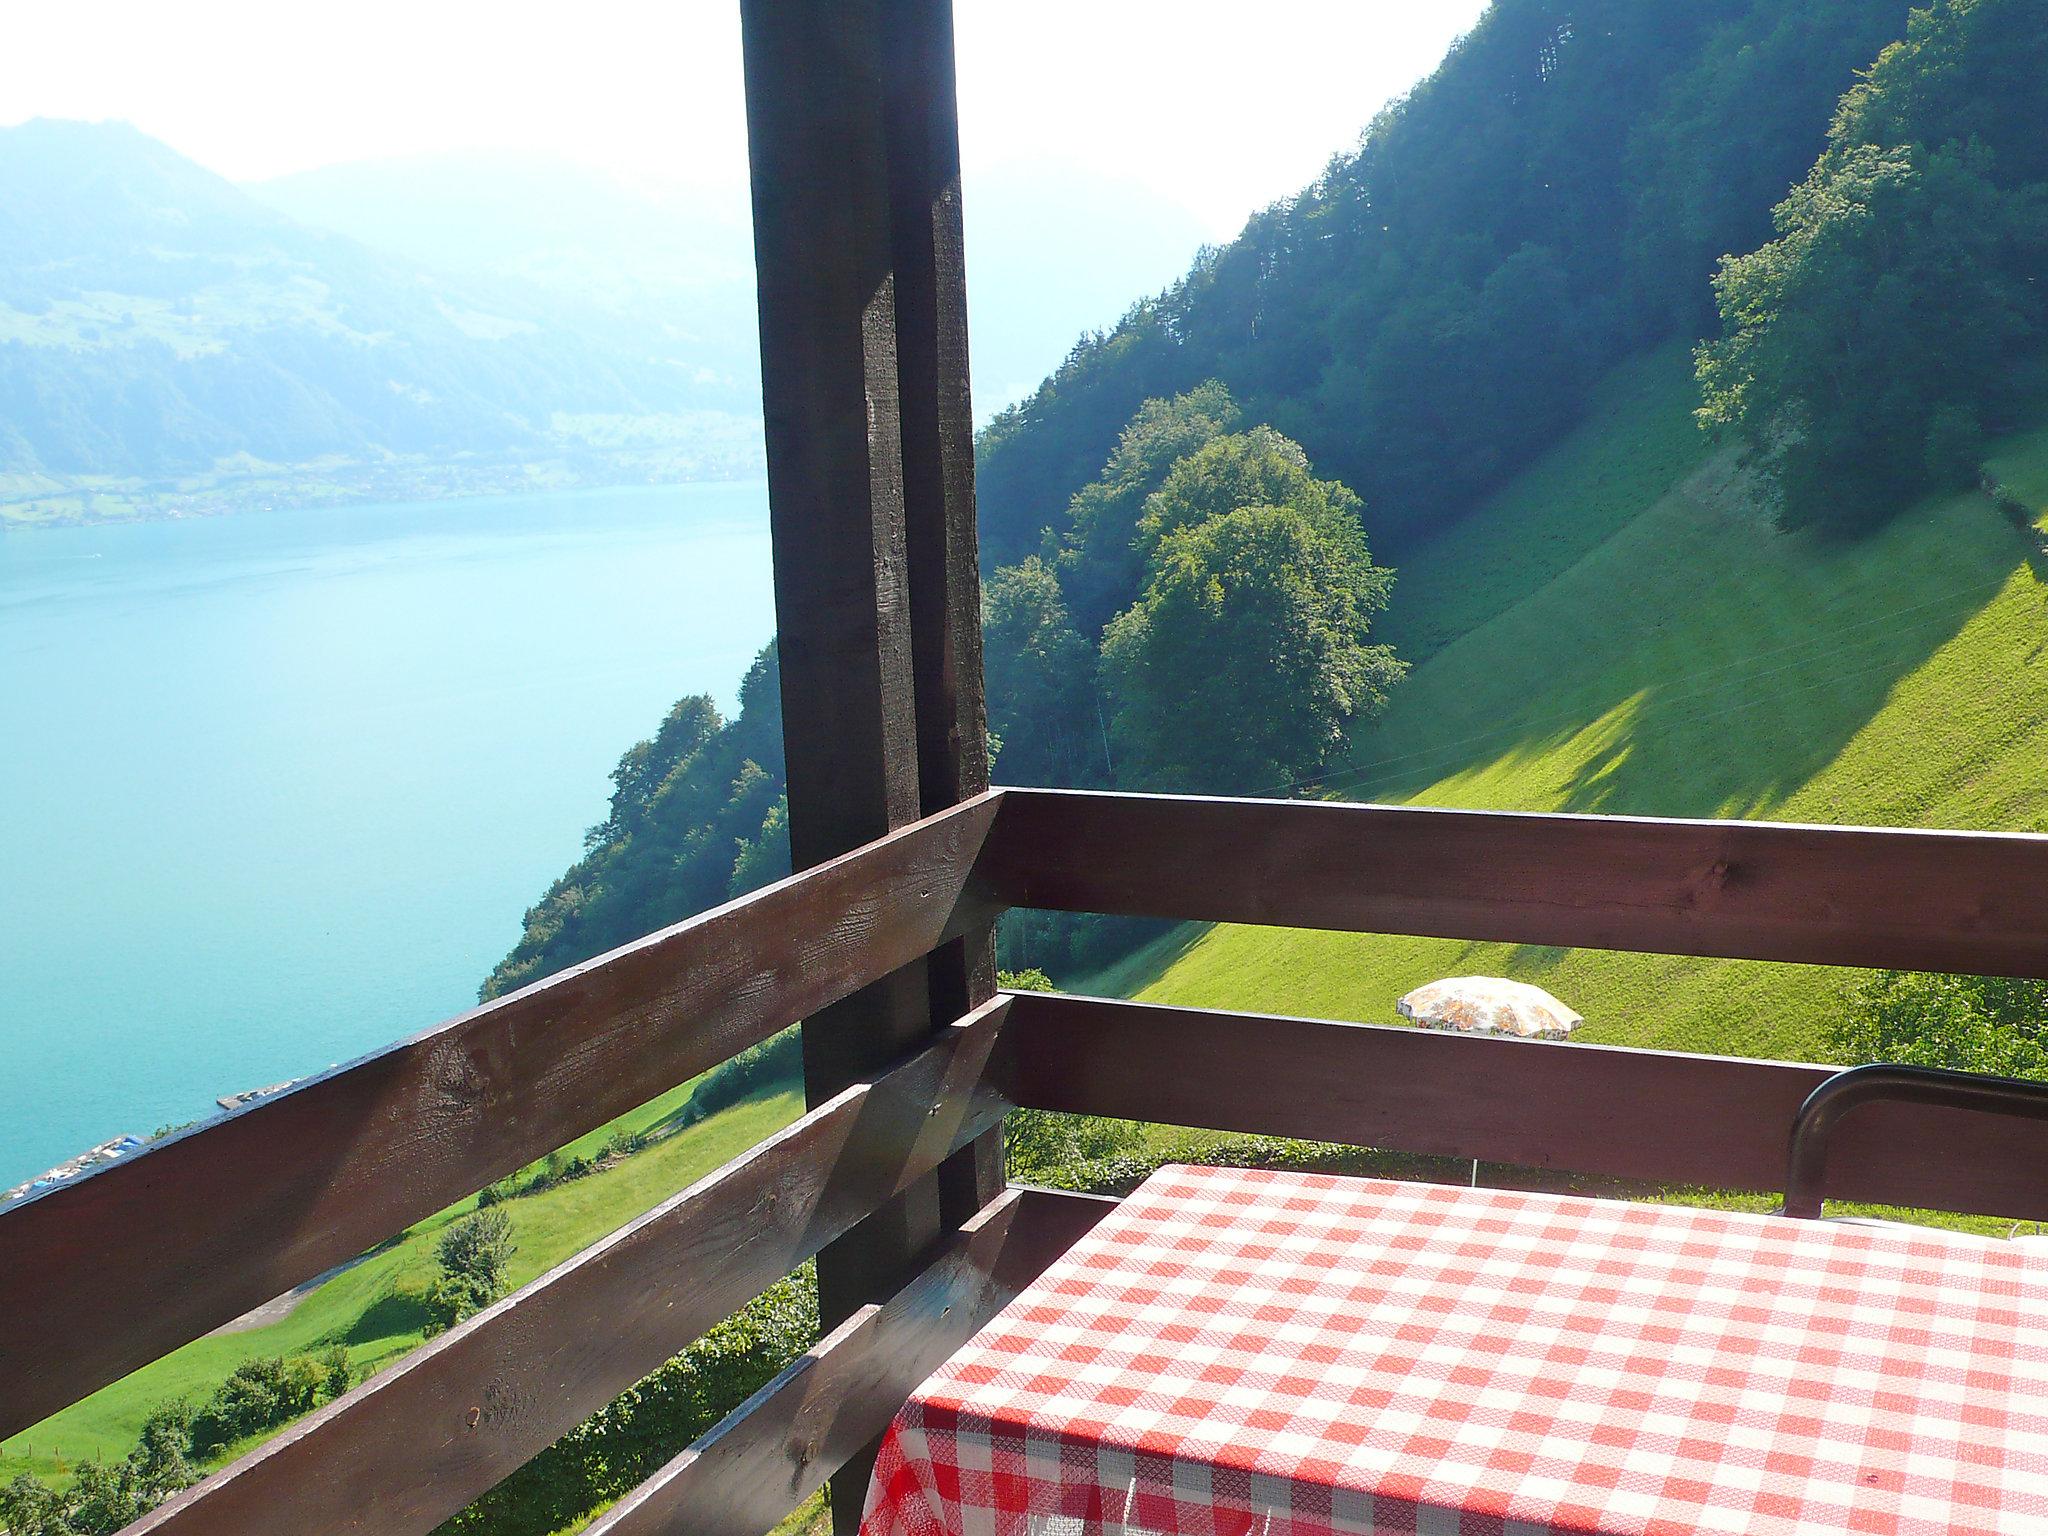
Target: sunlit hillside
[[1622, 630]]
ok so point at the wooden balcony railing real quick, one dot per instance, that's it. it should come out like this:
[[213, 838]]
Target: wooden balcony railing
[[158, 1249]]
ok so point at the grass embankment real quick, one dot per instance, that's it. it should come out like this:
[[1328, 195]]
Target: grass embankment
[[374, 1308], [1622, 630]]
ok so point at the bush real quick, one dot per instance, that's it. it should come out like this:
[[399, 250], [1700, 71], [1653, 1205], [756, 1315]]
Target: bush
[[31, 1507], [258, 1395], [107, 1496], [1042, 1146], [1968, 1023], [163, 1450], [778, 1059], [337, 1377], [475, 1256]]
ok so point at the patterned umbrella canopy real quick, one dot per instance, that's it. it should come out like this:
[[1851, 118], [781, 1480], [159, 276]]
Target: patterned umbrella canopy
[[1489, 1005]]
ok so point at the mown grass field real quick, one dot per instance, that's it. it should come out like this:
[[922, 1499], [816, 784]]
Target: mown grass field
[[373, 1308], [1622, 630]]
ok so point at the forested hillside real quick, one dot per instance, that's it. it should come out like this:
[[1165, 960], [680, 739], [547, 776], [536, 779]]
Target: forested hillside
[[1831, 612], [1896, 318], [1431, 312], [1470, 343], [697, 816]]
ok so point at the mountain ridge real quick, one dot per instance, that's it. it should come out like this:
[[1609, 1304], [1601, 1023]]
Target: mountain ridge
[[165, 338]]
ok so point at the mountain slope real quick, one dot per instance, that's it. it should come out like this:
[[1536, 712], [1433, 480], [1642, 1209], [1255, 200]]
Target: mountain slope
[[1621, 629], [163, 334], [1428, 315], [680, 266], [682, 261]]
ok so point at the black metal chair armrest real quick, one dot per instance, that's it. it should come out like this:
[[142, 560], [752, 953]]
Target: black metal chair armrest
[[1806, 1168]]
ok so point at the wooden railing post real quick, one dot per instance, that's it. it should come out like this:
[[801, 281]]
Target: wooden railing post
[[863, 363], [937, 424]]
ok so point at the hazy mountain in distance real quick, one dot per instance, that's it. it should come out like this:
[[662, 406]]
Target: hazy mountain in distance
[[1055, 251], [683, 260], [549, 220], [1051, 252], [170, 343]]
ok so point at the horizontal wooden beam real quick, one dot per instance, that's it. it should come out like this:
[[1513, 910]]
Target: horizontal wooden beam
[[1660, 1116], [779, 1447], [1971, 902], [160, 1247], [417, 1442]]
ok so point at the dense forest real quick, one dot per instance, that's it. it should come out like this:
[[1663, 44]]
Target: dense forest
[[1431, 310], [1897, 316]]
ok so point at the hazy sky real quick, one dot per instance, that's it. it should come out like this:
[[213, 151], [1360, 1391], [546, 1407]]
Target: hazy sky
[[1218, 105]]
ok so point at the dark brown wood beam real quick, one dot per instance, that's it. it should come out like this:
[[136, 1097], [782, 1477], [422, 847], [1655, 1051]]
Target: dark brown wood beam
[[936, 418], [869, 436], [936, 412], [1970, 902], [219, 1219], [418, 1441], [817, 138], [822, 241], [1662, 1117], [777, 1449]]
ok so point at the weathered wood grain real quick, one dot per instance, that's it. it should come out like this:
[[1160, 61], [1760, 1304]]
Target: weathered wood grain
[[1972, 902], [936, 418], [159, 1248], [1659, 1116], [869, 435], [418, 1441], [778, 1448]]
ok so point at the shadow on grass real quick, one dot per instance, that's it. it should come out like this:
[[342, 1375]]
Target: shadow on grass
[[1132, 973], [395, 1314], [1700, 665]]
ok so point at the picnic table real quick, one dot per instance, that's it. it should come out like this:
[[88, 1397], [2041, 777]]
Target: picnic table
[[1235, 1351]]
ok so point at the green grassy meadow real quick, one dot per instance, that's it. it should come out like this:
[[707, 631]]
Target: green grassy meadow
[[1622, 630], [373, 1308]]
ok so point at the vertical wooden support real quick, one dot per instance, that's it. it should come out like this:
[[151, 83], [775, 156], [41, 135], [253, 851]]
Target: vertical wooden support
[[855, 156], [937, 428]]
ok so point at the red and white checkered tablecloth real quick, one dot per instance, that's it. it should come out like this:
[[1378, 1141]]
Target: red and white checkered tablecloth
[[1233, 1352]]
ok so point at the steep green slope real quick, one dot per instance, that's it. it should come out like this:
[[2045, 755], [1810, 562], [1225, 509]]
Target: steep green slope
[[373, 1308], [1621, 629]]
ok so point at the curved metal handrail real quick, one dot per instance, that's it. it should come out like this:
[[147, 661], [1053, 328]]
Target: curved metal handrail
[[1806, 1166]]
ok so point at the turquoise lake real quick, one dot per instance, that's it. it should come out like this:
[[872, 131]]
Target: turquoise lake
[[275, 789]]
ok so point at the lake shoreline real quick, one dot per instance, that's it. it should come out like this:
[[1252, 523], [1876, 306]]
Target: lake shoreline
[[287, 783], [159, 502]]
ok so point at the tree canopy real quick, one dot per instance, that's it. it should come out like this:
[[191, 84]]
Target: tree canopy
[[1865, 348], [1040, 680], [1246, 662], [697, 817], [1429, 313]]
